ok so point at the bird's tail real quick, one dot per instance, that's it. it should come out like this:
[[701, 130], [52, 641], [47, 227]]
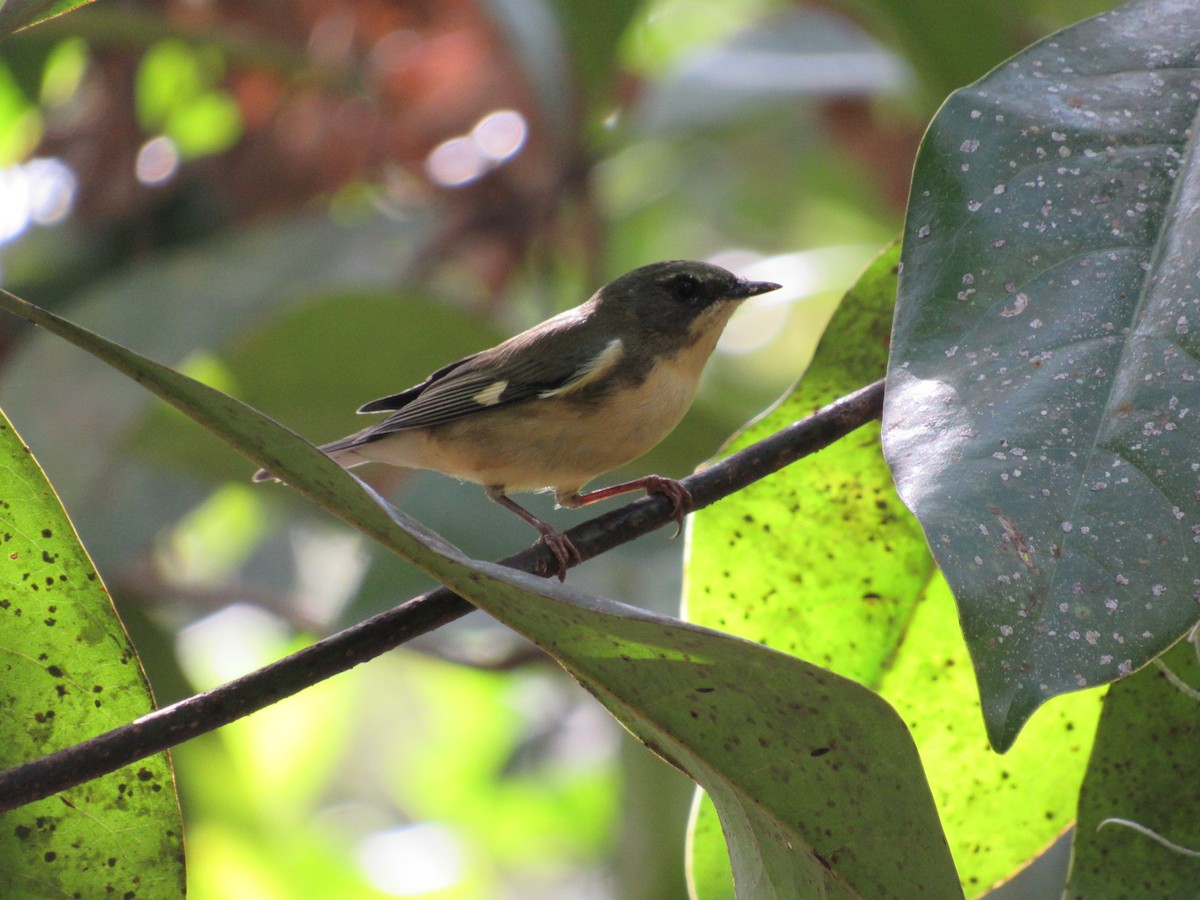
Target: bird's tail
[[341, 451]]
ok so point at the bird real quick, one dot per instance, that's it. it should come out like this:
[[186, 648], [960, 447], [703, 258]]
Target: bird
[[572, 398]]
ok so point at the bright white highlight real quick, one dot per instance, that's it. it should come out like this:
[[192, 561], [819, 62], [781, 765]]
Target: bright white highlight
[[408, 862], [40, 191], [501, 134], [495, 139]]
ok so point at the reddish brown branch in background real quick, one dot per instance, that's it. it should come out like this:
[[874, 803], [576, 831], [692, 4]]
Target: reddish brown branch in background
[[206, 712]]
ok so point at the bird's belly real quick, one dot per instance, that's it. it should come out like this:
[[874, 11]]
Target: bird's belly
[[544, 443]]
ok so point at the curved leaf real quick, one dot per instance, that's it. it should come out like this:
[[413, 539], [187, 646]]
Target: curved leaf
[[1143, 770], [263, 274], [846, 580], [739, 719], [70, 673], [839, 563], [1041, 393]]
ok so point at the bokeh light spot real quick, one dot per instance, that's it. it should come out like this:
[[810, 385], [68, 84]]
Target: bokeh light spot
[[157, 160], [407, 862], [455, 162], [496, 138], [500, 134], [40, 191]]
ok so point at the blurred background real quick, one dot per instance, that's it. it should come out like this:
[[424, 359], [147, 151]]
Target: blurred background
[[314, 203]]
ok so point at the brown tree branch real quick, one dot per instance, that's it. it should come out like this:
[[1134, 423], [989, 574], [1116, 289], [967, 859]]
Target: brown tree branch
[[174, 724]]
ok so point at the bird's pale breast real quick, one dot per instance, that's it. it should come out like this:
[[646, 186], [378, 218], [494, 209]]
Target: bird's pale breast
[[557, 443]]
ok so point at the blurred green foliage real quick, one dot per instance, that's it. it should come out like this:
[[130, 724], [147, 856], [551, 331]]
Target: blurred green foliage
[[176, 94]]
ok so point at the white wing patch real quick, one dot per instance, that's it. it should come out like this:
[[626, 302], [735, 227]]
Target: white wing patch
[[490, 395], [595, 369]]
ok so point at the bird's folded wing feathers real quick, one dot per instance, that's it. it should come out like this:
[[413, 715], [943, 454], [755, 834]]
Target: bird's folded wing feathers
[[404, 398], [500, 377]]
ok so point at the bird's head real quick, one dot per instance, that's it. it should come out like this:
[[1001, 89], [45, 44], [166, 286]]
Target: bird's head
[[680, 299]]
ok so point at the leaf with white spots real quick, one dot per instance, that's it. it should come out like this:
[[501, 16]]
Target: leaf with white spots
[[1042, 406], [68, 672]]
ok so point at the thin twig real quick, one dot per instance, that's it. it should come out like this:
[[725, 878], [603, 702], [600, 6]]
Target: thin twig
[[1153, 835], [174, 724]]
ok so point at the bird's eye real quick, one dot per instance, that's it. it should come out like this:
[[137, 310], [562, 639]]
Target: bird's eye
[[685, 287]]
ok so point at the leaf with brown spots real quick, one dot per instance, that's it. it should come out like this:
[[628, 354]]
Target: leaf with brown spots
[[61, 653]]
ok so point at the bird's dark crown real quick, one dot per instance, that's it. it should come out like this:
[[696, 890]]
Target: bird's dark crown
[[682, 284]]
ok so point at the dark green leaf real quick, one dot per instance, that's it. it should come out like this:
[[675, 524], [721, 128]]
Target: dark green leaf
[[1143, 770], [1044, 374], [69, 673]]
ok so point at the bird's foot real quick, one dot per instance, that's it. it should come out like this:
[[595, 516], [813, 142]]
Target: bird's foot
[[563, 549], [560, 545], [681, 500], [680, 497]]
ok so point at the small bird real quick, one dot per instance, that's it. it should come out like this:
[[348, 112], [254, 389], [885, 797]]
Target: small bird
[[581, 394]]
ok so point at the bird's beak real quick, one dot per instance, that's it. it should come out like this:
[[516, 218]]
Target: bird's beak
[[744, 289]]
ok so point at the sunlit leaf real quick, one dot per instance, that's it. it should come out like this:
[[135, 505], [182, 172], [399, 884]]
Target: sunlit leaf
[[64, 71], [842, 576], [709, 871], [20, 121], [839, 564], [999, 812], [177, 94], [1044, 364], [208, 124], [169, 72], [753, 727], [1143, 771], [69, 673]]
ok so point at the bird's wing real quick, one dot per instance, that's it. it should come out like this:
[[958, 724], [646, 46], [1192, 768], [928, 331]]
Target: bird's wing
[[566, 361], [404, 398]]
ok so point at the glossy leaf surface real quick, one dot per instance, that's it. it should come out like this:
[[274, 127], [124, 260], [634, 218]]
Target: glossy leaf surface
[[1044, 368]]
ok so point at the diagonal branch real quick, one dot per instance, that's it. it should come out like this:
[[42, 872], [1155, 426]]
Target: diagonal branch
[[174, 724]]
